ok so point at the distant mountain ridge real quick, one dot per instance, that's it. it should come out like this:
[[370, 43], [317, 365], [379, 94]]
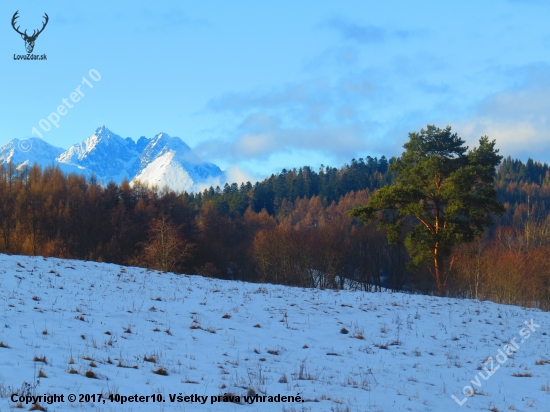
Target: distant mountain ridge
[[161, 160]]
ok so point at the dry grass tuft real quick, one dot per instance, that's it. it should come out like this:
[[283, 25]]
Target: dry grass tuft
[[149, 359], [90, 374], [42, 359], [37, 407], [161, 371], [120, 364], [226, 316], [41, 373], [73, 371]]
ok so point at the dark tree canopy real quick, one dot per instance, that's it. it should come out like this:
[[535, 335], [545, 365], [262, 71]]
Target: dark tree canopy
[[447, 189]]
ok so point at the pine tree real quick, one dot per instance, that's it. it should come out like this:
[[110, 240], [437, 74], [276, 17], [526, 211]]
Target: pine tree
[[448, 191]]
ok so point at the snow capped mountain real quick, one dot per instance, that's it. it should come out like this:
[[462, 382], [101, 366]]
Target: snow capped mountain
[[29, 151], [169, 161], [162, 160], [106, 154]]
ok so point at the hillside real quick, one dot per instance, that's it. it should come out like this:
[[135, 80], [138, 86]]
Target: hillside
[[63, 319]]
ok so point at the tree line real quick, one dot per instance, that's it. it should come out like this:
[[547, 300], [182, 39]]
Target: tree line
[[293, 228]]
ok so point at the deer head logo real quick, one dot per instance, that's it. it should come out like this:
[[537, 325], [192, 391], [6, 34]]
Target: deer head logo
[[29, 40]]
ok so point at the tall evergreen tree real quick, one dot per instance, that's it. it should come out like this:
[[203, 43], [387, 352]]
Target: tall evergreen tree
[[447, 190]]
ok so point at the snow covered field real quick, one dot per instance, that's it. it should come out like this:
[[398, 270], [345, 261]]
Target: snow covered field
[[71, 327]]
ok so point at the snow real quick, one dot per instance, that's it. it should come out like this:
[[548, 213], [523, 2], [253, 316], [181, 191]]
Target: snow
[[29, 151], [403, 352], [163, 170], [111, 157], [107, 155], [168, 161], [80, 151]]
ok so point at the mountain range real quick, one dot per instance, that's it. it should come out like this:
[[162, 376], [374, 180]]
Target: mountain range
[[161, 160]]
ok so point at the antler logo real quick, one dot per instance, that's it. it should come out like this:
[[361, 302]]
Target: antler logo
[[29, 40]]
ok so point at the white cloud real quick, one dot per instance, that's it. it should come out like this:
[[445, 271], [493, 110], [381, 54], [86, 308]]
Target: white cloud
[[237, 175], [342, 142], [517, 118], [517, 139], [234, 174]]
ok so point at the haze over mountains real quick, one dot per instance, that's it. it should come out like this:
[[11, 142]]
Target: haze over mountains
[[161, 160]]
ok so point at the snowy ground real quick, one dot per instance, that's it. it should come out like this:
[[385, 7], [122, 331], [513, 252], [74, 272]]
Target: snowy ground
[[64, 319]]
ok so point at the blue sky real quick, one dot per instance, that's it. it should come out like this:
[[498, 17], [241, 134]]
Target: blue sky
[[259, 86]]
